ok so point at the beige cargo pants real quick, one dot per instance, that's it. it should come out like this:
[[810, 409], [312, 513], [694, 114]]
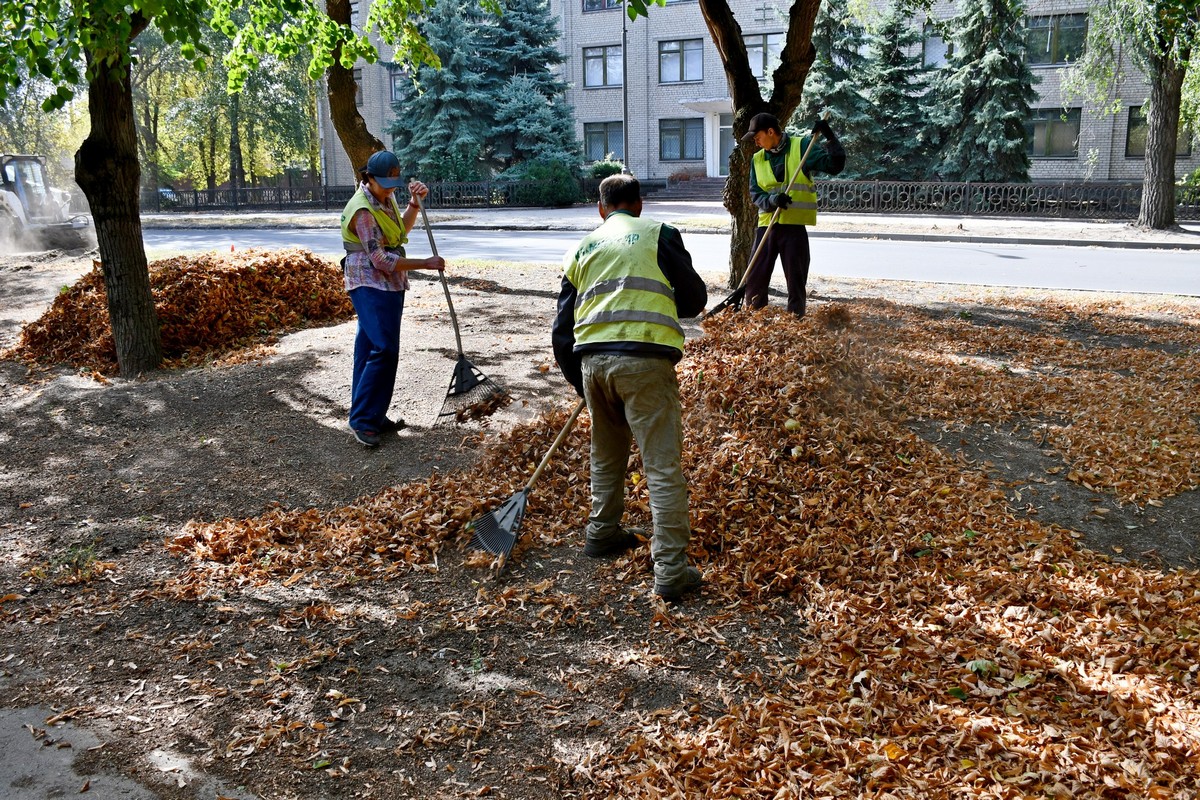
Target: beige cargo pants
[[636, 397]]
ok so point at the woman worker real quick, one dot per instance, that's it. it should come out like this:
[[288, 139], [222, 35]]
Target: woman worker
[[374, 231]]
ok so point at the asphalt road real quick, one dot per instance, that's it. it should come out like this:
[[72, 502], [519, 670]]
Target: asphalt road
[[1027, 266]]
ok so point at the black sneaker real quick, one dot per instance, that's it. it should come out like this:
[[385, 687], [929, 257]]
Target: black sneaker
[[687, 583], [619, 542], [390, 426], [367, 438]]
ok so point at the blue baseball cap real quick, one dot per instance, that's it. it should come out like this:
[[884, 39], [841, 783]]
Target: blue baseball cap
[[381, 165]]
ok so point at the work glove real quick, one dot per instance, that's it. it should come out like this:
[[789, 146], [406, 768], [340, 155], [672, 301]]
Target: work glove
[[821, 128], [781, 200]]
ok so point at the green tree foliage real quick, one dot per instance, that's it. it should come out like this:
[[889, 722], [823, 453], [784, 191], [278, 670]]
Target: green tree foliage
[[983, 96], [897, 87], [25, 128], [1160, 36], [836, 84]]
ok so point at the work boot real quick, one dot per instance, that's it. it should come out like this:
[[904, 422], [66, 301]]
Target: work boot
[[624, 539], [686, 583]]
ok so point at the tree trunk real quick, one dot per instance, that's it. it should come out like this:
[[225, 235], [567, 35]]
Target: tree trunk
[[237, 171], [358, 142], [1162, 132], [787, 88], [106, 169]]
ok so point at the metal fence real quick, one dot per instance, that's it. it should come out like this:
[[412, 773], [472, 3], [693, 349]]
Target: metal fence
[[1077, 200]]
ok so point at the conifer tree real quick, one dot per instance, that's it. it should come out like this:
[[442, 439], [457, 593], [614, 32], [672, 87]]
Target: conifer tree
[[835, 84], [897, 86], [442, 121], [983, 96], [532, 119]]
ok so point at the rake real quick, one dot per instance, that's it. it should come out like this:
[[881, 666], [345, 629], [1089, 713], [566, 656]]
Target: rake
[[497, 531], [471, 394], [738, 295]]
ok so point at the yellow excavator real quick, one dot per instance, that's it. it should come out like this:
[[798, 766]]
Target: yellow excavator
[[33, 214]]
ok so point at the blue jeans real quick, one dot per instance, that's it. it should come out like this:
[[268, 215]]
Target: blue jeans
[[376, 354]]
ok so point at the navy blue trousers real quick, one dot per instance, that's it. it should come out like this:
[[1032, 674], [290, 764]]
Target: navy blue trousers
[[376, 354]]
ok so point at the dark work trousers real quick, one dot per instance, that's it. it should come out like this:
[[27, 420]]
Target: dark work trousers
[[788, 243], [376, 355]]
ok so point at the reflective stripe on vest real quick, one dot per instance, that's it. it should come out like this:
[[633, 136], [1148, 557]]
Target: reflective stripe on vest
[[623, 295], [803, 210], [393, 232]]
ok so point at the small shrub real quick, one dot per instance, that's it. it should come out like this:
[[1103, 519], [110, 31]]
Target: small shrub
[[602, 169], [543, 183]]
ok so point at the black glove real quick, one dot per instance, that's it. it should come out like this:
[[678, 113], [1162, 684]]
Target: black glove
[[781, 200], [821, 128]]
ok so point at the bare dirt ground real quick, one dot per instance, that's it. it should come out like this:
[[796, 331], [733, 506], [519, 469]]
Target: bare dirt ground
[[112, 687]]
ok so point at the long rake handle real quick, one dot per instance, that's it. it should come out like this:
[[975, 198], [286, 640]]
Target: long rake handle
[[442, 275], [557, 441]]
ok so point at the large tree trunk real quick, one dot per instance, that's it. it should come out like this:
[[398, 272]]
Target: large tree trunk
[[106, 169], [787, 87], [358, 142], [1162, 132]]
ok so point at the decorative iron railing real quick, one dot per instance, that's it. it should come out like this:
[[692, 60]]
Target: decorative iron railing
[[1078, 200]]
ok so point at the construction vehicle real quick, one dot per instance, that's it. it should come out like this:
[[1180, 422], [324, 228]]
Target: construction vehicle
[[33, 214]]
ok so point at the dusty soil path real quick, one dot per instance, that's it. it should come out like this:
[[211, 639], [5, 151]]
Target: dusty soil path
[[105, 471]]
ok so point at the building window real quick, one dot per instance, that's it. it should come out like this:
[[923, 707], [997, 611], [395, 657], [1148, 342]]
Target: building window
[[763, 50], [935, 50], [1135, 137], [354, 14], [398, 80], [681, 139], [601, 139], [1056, 39], [358, 93], [1053, 133], [680, 61], [602, 66], [600, 5]]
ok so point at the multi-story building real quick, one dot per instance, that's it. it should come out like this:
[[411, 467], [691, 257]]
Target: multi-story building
[[652, 92]]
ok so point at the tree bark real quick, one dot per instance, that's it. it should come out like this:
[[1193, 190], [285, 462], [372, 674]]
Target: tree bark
[[358, 142], [237, 170], [787, 88], [1157, 210], [106, 169]]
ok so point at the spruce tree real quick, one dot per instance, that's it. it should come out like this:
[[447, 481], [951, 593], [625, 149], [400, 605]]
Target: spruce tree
[[897, 83], [532, 120], [495, 103], [835, 84], [983, 96], [442, 122]]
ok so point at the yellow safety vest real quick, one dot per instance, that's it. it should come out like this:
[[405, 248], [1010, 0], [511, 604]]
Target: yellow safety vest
[[393, 232], [622, 294], [803, 210]]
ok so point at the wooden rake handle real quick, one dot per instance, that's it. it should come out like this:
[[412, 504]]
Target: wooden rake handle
[[557, 441], [442, 275]]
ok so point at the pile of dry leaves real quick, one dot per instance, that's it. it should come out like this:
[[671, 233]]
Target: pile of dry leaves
[[940, 644], [208, 305]]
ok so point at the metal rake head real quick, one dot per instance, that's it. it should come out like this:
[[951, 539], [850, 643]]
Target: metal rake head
[[471, 395]]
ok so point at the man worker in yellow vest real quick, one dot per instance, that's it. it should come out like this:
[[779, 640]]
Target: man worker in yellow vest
[[770, 170], [617, 339]]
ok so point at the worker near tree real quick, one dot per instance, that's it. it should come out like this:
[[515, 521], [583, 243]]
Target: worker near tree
[[771, 169], [617, 339], [374, 231]]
